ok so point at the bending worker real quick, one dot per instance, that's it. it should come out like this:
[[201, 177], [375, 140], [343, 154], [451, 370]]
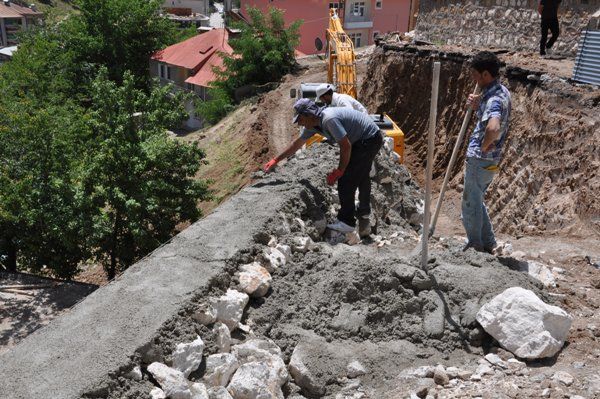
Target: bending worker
[[484, 152], [326, 94], [359, 140]]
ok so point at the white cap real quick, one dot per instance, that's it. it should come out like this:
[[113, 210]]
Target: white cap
[[324, 88]]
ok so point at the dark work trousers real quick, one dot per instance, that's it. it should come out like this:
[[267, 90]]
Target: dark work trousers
[[356, 177], [552, 24]]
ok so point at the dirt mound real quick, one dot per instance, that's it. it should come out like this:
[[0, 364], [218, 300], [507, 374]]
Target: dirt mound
[[340, 302], [550, 168]]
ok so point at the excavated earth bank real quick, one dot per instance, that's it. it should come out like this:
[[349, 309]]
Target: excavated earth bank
[[336, 304], [549, 177]]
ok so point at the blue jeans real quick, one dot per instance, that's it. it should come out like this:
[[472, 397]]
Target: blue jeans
[[475, 216]]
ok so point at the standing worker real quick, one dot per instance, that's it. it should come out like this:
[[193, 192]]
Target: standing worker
[[359, 139], [548, 9], [484, 152], [326, 94]]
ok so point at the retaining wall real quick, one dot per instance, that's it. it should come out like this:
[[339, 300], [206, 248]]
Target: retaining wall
[[511, 24], [76, 354]]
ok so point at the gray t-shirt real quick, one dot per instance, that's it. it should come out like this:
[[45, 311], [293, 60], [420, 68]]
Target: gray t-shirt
[[338, 122]]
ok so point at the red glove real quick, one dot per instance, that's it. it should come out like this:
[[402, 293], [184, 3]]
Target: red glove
[[333, 176], [270, 165]]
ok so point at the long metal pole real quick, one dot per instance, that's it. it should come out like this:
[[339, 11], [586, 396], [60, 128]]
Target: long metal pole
[[430, 143], [457, 146]]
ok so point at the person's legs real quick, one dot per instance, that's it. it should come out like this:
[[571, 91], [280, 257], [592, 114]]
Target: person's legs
[[487, 231], [364, 186], [477, 180], [555, 30], [347, 186], [544, 37]]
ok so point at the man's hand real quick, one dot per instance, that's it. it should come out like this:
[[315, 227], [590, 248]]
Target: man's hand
[[333, 176], [473, 101], [270, 165]]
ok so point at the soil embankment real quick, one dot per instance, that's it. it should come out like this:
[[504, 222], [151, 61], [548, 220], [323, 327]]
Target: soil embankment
[[552, 156]]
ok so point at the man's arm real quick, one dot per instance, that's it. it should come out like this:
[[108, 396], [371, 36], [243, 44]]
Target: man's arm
[[492, 134], [288, 152]]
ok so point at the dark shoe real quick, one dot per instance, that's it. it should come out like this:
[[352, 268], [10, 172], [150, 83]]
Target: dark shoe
[[475, 247], [364, 226], [489, 250]]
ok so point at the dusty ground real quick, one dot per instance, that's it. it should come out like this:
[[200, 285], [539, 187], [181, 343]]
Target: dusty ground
[[29, 302]]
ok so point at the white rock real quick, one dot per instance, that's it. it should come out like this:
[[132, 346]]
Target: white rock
[[205, 314], [272, 242], [219, 393], [302, 244], [440, 376], [424, 372], [563, 377], [157, 393], [475, 377], [230, 308], [274, 259], [516, 364], [540, 272], [525, 325], [546, 393], [285, 250], [223, 337], [355, 369], [496, 360], [172, 382], [302, 375], [199, 391], [255, 280], [187, 357], [257, 380], [484, 369], [135, 373], [220, 368], [255, 349], [452, 372]]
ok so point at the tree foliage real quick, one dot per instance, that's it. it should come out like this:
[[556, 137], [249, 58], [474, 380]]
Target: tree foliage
[[263, 52], [139, 179], [87, 169]]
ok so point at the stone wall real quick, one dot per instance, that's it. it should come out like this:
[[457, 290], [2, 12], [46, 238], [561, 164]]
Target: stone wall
[[510, 24]]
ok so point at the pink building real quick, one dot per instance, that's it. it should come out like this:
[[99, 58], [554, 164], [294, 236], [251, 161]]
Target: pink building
[[363, 19]]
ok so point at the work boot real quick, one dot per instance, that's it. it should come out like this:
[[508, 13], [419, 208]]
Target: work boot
[[341, 227], [364, 226]]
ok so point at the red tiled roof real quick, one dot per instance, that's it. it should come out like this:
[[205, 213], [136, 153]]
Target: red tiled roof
[[205, 75], [16, 11], [193, 53]]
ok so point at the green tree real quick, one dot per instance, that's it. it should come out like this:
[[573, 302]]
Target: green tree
[[42, 215], [262, 53], [120, 35], [140, 179]]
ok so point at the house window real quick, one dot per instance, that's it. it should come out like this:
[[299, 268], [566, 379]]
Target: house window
[[355, 37], [164, 71], [358, 8], [379, 4], [334, 5]]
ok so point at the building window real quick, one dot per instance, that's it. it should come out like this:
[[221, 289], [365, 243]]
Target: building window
[[355, 37], [379, 4], [358, 8], [334, 5], [164, 71]]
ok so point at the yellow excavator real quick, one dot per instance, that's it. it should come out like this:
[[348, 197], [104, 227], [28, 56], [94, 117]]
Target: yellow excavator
[[341, 72]]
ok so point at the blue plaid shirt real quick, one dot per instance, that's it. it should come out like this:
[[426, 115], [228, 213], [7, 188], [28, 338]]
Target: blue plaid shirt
[[495, 103]]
